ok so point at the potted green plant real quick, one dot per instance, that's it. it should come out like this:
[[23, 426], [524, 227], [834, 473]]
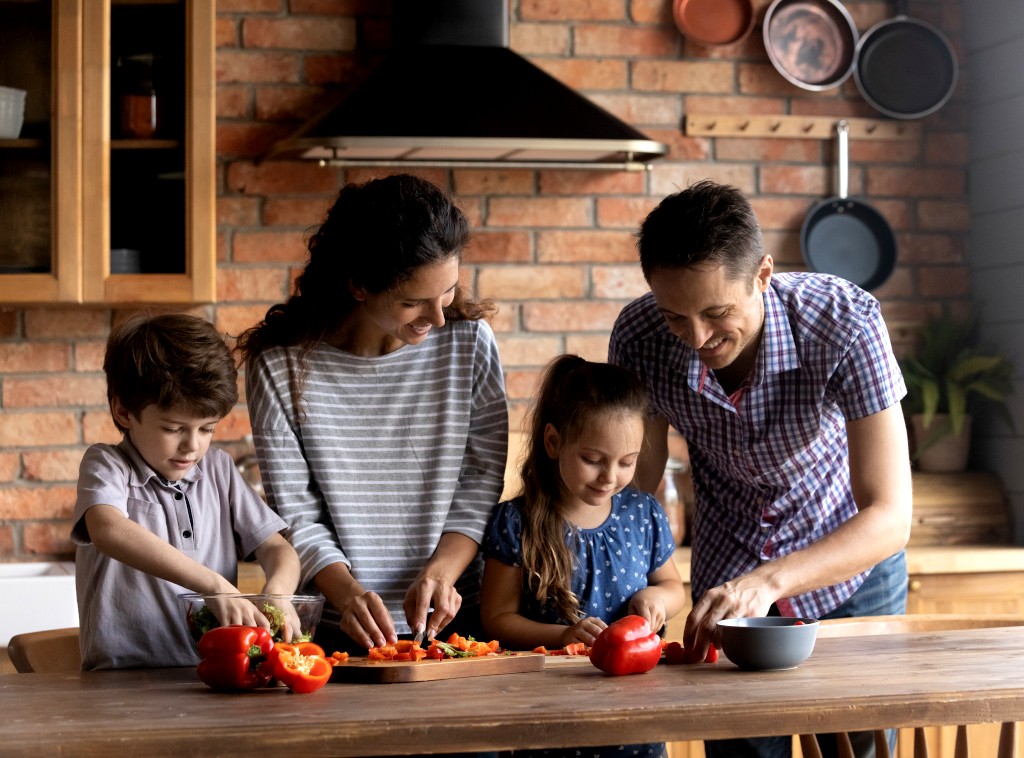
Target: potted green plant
[[949, 378]]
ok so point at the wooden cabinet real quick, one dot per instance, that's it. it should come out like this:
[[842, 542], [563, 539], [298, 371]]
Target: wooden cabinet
[[102, 208]]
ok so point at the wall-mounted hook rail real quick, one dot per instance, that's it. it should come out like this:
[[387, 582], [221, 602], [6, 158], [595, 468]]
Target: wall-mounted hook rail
[[800, 127]]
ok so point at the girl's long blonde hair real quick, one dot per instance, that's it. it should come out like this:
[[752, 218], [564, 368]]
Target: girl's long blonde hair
[[574, 393]]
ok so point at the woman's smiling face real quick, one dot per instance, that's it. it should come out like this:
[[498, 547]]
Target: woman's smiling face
[[407, 314]]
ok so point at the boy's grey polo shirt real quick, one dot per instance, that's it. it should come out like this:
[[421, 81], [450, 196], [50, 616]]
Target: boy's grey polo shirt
[[131, 619]]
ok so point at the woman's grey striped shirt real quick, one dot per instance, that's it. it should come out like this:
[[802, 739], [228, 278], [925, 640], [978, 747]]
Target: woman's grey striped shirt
[[384, 454]]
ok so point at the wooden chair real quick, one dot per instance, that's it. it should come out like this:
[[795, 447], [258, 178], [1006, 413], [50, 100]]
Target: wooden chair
[[925, 622], [47, 652]]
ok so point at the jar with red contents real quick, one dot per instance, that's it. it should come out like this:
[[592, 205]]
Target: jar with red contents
[[138, 96]]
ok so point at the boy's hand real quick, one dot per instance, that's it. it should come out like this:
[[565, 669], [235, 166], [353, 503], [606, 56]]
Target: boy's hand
[[235, 610], [584, 631], [292, 627]]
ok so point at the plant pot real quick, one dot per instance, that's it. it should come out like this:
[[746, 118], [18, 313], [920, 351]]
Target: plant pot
[[937, 449]]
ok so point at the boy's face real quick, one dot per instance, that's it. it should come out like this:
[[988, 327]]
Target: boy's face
[[170, 440]]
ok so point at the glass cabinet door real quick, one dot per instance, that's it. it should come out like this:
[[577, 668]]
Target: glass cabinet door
[[40, 198], [149, 135]]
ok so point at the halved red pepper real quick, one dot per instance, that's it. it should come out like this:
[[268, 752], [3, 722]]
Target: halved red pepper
[[626, 646], [302, 648], [236, 657], [301, 671]]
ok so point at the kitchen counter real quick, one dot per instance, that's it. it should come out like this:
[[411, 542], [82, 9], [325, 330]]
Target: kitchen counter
[[923, 679]]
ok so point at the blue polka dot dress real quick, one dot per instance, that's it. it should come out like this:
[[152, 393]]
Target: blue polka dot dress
[[612, 563]]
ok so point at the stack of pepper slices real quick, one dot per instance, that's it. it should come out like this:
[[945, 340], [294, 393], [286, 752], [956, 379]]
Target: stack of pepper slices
[[457, 646]]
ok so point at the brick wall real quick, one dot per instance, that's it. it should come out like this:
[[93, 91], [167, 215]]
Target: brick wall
[[554, 248]]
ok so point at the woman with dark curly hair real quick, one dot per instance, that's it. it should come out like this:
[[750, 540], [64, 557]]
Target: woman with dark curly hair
[[379, 416]]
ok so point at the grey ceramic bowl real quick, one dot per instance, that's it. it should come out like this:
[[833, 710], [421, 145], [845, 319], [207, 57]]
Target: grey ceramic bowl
[[767, 644]]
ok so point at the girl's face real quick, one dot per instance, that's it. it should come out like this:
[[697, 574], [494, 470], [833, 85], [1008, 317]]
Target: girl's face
[[170, 440], [602, 461], [405, 315]]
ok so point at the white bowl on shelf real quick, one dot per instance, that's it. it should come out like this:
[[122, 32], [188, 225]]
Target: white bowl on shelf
[[12, 112]]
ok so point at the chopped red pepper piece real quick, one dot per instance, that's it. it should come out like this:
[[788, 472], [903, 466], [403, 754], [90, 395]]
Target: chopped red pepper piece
[[674, 653], [626, 646], [236, 657]]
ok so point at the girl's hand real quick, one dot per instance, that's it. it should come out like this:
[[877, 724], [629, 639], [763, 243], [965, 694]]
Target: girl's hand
[[649, 606], [584, 631], [431, 592]]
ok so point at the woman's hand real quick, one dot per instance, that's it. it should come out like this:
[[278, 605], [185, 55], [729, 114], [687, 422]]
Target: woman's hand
[[434, 587], [584, 631], [363, 615], [431, 592], [365, 619]]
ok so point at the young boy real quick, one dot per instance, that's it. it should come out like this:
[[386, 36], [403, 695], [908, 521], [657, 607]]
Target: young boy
[[161, 513]]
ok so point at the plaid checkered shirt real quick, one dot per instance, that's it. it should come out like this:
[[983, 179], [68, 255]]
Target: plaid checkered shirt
[[771, 471]]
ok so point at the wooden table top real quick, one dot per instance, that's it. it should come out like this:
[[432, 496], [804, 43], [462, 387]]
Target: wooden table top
[[864, 682]]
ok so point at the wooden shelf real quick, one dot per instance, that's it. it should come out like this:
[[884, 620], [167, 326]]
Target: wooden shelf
[[796, 127]]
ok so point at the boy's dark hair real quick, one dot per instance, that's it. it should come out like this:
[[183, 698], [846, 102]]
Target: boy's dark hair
[[707, 223], [170, 360]]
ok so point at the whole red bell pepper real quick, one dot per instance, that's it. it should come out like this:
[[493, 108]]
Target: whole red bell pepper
[[626, 646], [236, 657], [301, 667]]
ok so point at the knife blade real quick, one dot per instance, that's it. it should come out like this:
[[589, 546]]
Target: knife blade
[[418, 638]]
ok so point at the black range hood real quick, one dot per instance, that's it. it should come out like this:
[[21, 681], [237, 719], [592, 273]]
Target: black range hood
[[452, 93]]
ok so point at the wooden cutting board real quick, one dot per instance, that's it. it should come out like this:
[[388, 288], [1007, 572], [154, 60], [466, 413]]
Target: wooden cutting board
[[383, 672]]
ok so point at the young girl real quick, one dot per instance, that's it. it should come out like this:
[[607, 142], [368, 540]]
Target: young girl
[[580, 548]]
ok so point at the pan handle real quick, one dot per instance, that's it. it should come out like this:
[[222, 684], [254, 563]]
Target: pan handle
[[843, 127]]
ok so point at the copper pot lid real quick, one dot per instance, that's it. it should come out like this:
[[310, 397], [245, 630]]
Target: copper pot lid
[[812, 43]]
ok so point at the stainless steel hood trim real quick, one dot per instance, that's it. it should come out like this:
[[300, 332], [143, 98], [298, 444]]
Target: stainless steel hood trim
[[505, 164], [476, 151], [432, 102]]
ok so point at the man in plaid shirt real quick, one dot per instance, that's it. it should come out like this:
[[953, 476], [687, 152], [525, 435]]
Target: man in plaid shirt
[[787, 392]]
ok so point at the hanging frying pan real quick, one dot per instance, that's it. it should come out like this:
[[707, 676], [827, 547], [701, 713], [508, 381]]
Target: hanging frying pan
[[812, 43], [906, 68], [847, 237], [714, 23]]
